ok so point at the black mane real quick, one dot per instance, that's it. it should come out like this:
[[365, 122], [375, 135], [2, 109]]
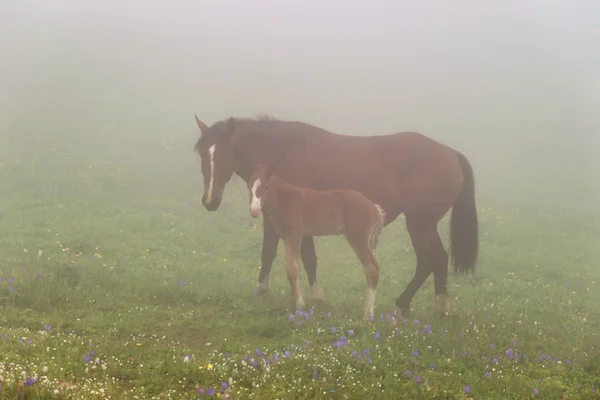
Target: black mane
[[221, 126]]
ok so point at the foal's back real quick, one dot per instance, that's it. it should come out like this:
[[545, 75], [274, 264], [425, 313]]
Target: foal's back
[[333, 212]]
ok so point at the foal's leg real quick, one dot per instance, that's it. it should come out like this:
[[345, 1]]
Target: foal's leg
[[361, 246], [269, 251], [292, 254], [309, 259]]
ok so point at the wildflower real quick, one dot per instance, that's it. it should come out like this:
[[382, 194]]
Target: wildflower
[[408, 372], [286, 354], [186, 359], [415, 353], [259, 353], [509, 353], [291, 317], [209, 366], [418, 379], [351, 332], [536, 391], [487, 374], [47, 327], [427, 330], [495, 360], [432, 366], [30, 381], [467, 388], [378, 335]]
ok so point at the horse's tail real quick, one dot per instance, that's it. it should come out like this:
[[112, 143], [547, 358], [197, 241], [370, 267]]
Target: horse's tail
[[464, 230], [378, 227]]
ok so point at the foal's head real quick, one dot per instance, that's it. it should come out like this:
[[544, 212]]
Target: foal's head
[[258, 186]]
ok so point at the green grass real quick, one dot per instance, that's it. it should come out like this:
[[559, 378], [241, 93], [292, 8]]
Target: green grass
[[109, 246]]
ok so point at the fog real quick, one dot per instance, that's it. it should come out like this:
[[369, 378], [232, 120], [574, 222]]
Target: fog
[[512, 84]]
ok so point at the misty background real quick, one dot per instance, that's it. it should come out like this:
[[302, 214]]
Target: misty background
[[514, 85]]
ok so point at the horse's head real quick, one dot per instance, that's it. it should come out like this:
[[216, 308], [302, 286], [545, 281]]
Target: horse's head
[[258, 187], [217, 159]]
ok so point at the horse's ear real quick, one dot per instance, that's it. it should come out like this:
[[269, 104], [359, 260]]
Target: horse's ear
[[203, 127], [230, 126]]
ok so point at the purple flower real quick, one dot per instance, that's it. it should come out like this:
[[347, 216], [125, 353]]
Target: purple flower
[[259, 353], [333, 330], [491, 346], [495, 360], [536, 391], [408, 372], [467, 389], [351, 332], [30, 381], [291, 317], [307, 343], [377, 336], [509, 353], [487, 374], [286, 354], [47, 327], [415, 353], [211, 392], [11, 289], [432, 366], [416, 322], [427, 330], [418, 379]]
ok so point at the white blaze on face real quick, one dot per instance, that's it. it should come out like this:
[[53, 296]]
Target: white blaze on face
[[211, 162], [255, 202]]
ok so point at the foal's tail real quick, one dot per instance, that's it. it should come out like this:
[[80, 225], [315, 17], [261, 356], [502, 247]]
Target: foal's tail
[[378, 227], [464, 230]]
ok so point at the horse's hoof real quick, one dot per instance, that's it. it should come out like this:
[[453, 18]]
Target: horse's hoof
[[442, 305], [317, 294], [401, 314], [260, 289]]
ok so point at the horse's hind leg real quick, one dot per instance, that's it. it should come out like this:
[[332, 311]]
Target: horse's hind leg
[[421, 233], [440, 274], [309, 259]]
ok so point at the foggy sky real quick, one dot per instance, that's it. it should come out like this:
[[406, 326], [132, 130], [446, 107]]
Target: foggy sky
[[469, 73]]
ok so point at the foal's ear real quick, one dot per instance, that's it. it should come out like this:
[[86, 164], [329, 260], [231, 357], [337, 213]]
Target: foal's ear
[[270, 170]]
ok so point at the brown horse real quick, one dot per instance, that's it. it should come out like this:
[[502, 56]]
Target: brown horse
[[295, 212], [404, 172]]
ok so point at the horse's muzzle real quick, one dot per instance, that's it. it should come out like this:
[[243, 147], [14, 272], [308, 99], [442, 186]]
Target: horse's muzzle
[[255, 212], [213, 205]]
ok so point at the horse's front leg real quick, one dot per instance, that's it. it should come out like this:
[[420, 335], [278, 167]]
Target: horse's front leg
[[292, 256], [269, 251], [309, 259]]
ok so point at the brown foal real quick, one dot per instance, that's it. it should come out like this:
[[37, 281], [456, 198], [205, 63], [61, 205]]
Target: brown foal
[[297, 212]]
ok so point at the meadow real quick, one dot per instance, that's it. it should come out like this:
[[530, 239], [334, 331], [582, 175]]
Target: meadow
[[116, 283]]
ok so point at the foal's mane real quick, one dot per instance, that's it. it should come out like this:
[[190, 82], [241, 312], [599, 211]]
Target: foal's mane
[[220, 127]]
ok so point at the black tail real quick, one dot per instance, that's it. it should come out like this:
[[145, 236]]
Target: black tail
[[464, 229]]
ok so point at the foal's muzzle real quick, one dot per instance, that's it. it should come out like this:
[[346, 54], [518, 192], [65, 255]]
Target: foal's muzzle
[[254, 212]]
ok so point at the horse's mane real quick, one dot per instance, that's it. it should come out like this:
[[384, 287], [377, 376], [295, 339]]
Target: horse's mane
[[221, 126]]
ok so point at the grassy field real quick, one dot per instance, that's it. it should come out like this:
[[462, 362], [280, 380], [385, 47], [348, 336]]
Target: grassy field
[[116, 283]]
